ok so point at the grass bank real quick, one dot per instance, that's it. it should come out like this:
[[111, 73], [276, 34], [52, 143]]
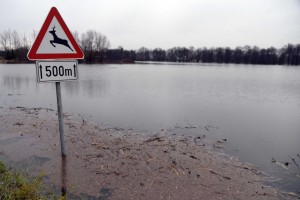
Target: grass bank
[[15, 185]]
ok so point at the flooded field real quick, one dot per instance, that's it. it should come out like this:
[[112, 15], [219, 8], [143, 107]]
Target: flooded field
[[112, 163], [255, 109]]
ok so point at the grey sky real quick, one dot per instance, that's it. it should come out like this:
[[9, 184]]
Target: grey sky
[[166, 23]]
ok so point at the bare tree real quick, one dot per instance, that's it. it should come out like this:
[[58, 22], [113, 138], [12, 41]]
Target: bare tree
[[10, 43], [33, 36], [16, 40], [101, 42], [94, 45], [91, 36], [24, 42], [143, 54], [83, 42], [87, 40], [76, 37], [4, 40]]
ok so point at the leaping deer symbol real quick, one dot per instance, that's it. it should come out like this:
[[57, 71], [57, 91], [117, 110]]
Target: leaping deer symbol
[[58, 40]]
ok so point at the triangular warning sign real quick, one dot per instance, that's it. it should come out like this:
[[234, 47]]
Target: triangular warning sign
[[54, 41]]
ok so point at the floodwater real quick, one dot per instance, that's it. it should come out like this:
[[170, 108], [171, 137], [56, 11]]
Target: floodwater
[[255, 108]]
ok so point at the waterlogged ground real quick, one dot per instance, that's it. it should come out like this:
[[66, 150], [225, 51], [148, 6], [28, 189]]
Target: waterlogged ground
[[112, 163], [256, 107]]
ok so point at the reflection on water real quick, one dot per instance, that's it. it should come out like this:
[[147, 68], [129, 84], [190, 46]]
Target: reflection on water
[[90, 88], [257, 108], [13, 83]]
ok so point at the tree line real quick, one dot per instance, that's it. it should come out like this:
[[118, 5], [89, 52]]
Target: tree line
[[287, 55], [96, 48], [14, 46]]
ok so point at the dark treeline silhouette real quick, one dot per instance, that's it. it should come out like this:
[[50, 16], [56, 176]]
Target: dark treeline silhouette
[[287, 55], [14, 48]]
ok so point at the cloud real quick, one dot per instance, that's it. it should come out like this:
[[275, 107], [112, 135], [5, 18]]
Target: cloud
[[167, 23]]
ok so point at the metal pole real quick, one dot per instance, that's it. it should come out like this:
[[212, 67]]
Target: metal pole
[[64, 177], [60, 119]]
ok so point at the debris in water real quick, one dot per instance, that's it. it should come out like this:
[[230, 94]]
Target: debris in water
[[225, 177], [295, 162], [279, 163], [189, 125], [199, 140], [156, 137], [18, 124]]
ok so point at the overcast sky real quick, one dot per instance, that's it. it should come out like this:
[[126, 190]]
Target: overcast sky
[[166, 23]]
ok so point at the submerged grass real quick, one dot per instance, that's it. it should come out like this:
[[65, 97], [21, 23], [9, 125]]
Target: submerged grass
[[17, 186]]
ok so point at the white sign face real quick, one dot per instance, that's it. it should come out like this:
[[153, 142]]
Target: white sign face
[[55, 40], [55, 71]]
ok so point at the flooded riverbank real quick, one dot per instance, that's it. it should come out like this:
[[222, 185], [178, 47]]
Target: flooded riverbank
[[256, 108], [113, 163]]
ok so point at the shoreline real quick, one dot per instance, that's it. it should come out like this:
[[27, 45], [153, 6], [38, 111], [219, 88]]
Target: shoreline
[[110, 163]]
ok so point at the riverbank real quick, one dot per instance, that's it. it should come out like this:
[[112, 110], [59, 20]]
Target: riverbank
[[110, 163]]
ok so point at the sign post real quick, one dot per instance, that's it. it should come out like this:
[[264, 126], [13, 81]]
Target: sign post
[[60, 120], [54, 48]]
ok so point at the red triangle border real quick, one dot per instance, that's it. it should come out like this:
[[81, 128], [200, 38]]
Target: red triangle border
[[33, 55]]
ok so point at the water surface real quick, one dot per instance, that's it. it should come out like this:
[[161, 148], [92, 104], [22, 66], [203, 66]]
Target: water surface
[[256, 108]]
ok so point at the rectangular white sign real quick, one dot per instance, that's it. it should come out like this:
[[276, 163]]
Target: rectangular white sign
[[56, 71]]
